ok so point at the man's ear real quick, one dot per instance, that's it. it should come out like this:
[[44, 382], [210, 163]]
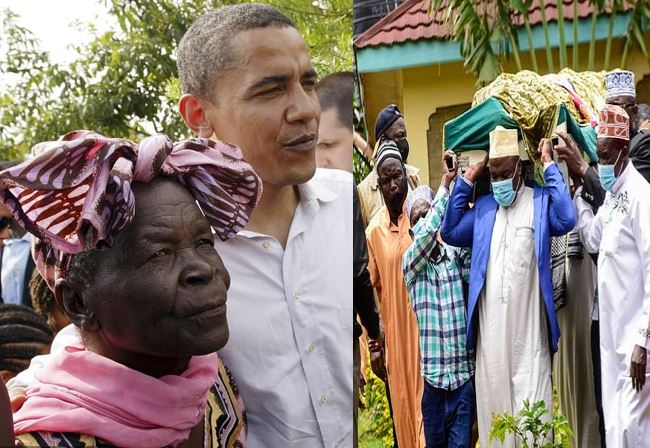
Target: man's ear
[[193, 111], [72, 302]]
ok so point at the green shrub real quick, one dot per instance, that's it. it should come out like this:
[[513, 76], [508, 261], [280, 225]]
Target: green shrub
[[529, 428], [375, 424]]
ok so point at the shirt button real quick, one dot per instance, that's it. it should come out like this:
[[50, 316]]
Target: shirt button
[[297, 295], [311, 348], [266, 244], [337, 445], [323, 399]]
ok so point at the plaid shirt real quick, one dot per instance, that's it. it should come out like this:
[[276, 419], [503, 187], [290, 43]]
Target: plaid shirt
[[435, 287]]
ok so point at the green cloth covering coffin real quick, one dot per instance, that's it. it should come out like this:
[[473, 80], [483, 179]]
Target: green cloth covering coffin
[[531, 104]]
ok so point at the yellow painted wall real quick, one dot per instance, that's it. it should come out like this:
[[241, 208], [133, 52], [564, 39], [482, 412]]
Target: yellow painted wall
[[420, 91], [380, 90], [425, 89]]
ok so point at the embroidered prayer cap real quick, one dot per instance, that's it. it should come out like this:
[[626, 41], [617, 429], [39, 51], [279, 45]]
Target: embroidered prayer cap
[[422, 192], [503, 143], [619, 82], [386, 118], [613, 122], [386, 150], [76, 193]]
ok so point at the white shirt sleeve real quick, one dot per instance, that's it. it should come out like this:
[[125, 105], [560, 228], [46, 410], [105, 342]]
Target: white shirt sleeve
[[590, 226], [640, 226]]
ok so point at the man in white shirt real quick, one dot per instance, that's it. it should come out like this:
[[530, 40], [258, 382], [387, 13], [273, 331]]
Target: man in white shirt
[[619, 232], [16, 270], [248, 80]]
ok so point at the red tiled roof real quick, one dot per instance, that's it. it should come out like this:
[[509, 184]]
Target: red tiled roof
[[410, 22]]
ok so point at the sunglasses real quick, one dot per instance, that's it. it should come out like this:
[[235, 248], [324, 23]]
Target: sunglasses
[[5, 221]]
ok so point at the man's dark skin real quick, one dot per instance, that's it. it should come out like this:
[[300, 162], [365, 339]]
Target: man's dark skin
[[421, 207], [608, 151], [392, 183], [397, 130], [627, 102]]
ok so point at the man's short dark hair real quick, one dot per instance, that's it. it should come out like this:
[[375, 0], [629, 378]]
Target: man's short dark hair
[[336, 90], [205, 50]]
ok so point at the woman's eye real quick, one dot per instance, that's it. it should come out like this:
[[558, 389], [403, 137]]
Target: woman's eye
[[160, 253]]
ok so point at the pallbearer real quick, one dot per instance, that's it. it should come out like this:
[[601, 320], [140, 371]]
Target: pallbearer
[[511, 317], [620, 233]]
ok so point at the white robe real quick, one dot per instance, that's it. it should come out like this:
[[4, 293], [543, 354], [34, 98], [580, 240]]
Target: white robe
[[512, 359], [573, 374], [620, 232]]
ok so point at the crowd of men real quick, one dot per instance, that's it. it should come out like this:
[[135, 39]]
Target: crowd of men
[[465, 284]]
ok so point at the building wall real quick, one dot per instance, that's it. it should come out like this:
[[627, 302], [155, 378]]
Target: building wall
[[421, 91], [380, 90]]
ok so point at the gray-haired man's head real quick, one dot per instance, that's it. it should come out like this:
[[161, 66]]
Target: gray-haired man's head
[[205, 50]]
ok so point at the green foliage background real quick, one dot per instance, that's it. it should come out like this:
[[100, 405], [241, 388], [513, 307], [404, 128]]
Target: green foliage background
[[375, 425], [124, 82]]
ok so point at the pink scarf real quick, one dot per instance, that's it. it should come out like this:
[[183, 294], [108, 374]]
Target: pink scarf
[[81, 392]]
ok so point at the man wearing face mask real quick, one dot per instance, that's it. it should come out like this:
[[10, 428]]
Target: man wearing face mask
[[388, 239], [619, 233], [511, 317], [390, 125], [435, 274]]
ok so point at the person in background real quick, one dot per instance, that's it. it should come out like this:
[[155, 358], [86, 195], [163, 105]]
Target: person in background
[[44, 303], [16, 262], [619, 90], [640, 143], [17, 267], [24, 334], [6, 221], [619, 233], [510, 292], [334, 147], [435, 274], [388, 239], [390, 125], [365, 310]]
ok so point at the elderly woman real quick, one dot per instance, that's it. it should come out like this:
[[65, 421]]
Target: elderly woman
[[126, 244]]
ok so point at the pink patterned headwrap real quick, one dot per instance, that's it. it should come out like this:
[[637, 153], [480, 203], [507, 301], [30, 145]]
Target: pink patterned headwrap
[[83, 182], [613, 123]]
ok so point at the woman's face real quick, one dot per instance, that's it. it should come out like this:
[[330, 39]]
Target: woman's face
[[161, 289]]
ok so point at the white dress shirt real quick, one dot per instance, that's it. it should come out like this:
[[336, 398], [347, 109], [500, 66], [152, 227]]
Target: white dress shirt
[[14, 264], [290, 317]]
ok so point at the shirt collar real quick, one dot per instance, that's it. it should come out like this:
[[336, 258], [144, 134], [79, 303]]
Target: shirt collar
[[27, 237], [620, 180], [310, 194], [315, 191]]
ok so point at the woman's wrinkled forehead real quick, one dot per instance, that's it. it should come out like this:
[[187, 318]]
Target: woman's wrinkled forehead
[[164, 204]]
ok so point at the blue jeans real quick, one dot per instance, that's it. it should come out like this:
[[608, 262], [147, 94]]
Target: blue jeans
[[447, 415]]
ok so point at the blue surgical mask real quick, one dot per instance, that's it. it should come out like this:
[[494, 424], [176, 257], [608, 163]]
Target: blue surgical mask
[[504, 193], [607, 174]]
